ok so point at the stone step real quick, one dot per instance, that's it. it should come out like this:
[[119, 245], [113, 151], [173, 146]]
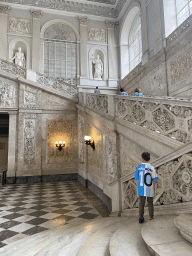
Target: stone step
[[98, 243], [127, 241], [163, 238], [184, 224], [78, 236]]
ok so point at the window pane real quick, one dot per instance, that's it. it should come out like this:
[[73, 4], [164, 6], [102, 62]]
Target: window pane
[[183, 15], [180, 4], [51, 50]]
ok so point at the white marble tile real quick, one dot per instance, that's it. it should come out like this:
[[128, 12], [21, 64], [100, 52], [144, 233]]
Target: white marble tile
[[71, 207], [74, 213], [14, 238], [27, 211], [21, 227], [25, 218], [50, 215]]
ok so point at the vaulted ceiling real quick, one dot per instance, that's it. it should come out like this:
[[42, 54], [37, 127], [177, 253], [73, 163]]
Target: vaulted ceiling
[[102, 8]]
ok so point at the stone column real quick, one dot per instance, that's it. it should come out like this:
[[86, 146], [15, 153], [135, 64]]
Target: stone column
[[36, 39], [83, 46], [12, 145], [4, 10], [111, 49]]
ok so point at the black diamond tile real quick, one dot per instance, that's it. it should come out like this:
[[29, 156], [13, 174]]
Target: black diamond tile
[[37, 213], [7, 234], [12, 216], [9, 224], [36, 221], [60, 205], [88, 216], [18, 204], [83, 209], [80, 203], [38, 207], [16, 209], [34, 230], [62, 211], [2, 244]]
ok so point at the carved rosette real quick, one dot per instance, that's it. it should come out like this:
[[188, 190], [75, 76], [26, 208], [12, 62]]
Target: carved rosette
[[83, 21], [4, 9], [36, 14]]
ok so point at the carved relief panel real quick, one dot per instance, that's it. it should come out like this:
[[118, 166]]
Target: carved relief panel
[[20, 25], [7, 95], [111, 156], [29, 141], [96, 35]]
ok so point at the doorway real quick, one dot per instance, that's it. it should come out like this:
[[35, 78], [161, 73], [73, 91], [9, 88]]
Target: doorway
[[4, 134]]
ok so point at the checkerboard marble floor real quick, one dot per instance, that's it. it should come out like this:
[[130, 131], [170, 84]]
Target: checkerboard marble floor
[[27, 209]]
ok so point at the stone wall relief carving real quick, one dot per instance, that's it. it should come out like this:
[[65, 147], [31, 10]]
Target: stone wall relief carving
[[169, 120], [7, 95], [97, 102], [111, 160], [96, 35], [20, 25], [4, 9], [29, 140], [81, 126], [154, 81], [30, 100]]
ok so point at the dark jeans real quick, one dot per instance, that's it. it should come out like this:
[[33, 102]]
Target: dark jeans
[[149, 204]]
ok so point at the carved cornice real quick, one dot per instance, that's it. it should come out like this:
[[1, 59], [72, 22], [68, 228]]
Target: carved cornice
[[111, 24], [4, 9], [36, 14], [83, 20]]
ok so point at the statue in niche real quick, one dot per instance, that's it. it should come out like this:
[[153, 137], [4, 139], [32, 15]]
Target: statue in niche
[[98, 67], [19, 58]]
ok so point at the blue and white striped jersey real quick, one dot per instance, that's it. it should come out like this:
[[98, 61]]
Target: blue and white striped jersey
[[145, 174]]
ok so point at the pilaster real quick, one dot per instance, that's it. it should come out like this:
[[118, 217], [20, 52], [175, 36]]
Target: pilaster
[[83, 46], [4, 11], [36, 39]]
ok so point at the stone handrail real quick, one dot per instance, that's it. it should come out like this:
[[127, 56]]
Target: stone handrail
[[11, 68], [174, 184], [67, 86]]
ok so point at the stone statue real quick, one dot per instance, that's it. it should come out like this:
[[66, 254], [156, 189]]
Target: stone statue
[[98, 64], [19, 58]]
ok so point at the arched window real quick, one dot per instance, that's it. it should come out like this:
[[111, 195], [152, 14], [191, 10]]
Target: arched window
[[135, 43], [184, 9], [60, 52]]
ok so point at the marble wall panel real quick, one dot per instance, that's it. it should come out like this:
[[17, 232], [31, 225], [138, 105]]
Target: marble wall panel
[[29, 97]]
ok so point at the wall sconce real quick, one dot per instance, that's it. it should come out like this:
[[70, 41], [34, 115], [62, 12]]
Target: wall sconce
[[88, 142], [60, 146]]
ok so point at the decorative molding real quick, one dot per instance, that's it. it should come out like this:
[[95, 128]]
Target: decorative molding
[[76, 7], [105, 1], [178, 31], [4, 9], [36, 14], [96, 35], [83, 21], [111, 24], [20, 25]]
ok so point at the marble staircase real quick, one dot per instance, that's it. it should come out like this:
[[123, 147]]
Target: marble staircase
[[112, 236]]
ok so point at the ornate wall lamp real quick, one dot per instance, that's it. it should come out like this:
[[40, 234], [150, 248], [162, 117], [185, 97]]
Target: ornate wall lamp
[[88, 142], [60, 146]]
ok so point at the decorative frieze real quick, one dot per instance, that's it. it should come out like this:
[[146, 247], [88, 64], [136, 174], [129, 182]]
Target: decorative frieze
[[96, 35], [7, 95], [20, 25], [4, 9], [181, 67], [36, 14], [83, 20]]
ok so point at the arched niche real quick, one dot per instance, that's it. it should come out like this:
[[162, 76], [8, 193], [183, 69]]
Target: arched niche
[[131, 13], [93, 53], [25, 48]]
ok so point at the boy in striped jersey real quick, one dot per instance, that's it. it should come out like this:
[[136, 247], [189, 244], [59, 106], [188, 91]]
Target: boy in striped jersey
[[147, 177]]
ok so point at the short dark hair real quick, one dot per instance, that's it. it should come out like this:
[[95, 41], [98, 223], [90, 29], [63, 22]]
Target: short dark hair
[[121, 90], [146, 156], [97, 87], [137, 90]]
